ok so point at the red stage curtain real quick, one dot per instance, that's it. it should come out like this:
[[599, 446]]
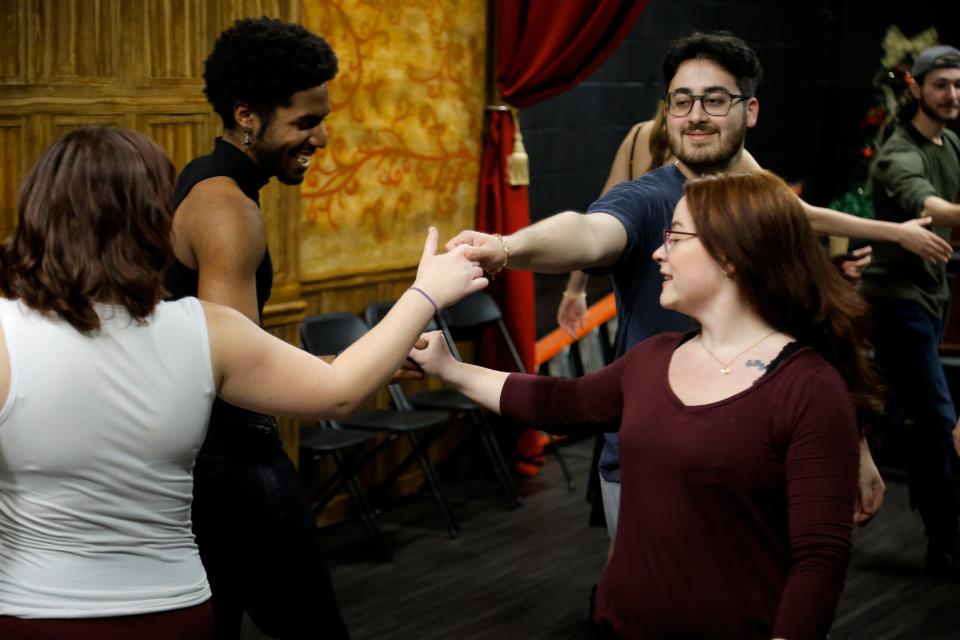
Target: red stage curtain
[[544, 47]]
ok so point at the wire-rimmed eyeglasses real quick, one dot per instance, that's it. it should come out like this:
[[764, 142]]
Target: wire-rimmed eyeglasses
[[669, 240], [715, 103]]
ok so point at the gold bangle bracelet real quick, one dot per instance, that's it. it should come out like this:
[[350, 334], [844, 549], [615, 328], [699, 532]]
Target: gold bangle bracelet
[[575, 296], [506, 257]]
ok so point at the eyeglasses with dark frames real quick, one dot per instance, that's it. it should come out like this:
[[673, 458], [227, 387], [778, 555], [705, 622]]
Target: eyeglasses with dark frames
[[714, 103], [669, 240]]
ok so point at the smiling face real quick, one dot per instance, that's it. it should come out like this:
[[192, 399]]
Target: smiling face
[[293, 133], [706, 143], [691, 277], [939, 95]]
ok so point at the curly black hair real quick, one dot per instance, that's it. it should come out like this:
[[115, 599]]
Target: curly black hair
[[722, 47], [263, 62]]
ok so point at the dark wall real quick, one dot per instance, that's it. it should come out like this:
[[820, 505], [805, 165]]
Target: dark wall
[[819, 58]]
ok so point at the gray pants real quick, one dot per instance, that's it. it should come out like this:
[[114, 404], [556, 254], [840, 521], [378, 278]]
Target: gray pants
[[610, 492]]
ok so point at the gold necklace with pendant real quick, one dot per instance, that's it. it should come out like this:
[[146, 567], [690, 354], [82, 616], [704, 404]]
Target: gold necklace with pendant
[[725, 366]]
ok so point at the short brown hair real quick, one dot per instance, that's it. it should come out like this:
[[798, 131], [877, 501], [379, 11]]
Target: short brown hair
[[734, 55], [754, 224], [94, 226]]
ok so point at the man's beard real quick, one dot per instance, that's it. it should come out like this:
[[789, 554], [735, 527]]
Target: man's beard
[[704, 161], [931, 112], [271, 163], [287, 179]]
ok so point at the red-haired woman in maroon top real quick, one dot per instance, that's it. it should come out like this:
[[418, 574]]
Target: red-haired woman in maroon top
[[739, 442]]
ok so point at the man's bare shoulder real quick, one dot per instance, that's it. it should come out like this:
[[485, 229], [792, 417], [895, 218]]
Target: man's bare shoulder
[[218, 196], [220, 316], [216, 217]]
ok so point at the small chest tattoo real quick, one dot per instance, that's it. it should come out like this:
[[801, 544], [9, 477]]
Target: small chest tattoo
[[759, 364]]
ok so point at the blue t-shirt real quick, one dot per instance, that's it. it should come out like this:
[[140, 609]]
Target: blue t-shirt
[[645, 208]]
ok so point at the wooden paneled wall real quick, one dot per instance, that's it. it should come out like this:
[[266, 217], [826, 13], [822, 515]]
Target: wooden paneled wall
[[69, 63]]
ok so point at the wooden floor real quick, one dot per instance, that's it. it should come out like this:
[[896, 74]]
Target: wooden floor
[[528, 573]]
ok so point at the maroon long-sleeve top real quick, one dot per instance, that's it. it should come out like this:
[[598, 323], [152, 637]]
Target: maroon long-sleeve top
[[735, 516]]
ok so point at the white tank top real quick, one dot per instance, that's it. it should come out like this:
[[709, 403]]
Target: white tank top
[[97, 441]]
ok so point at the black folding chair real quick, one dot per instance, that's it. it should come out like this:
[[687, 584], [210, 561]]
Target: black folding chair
[[345, 447], [468, 319], [457, 403], [331, 333]]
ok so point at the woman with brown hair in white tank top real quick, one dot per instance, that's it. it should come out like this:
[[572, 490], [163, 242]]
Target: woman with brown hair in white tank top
[[105, 392]]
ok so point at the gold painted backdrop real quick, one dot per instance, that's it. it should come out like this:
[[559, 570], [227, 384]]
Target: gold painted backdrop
[[405, 129]]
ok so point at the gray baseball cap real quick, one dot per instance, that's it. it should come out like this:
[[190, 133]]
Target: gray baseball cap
[[939, 57]]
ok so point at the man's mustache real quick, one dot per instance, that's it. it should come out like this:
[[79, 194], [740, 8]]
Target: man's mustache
[[702, 128]]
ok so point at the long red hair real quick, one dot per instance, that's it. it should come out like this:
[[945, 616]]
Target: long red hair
[[753, 223]]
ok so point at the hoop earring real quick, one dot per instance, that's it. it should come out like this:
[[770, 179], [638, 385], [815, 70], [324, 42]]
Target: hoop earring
[[247, 140]]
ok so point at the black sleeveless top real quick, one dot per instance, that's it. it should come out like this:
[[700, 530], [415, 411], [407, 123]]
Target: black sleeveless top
[[232, 429]]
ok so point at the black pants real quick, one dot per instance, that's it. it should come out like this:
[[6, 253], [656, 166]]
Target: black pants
[[907, 338], [257, 537]]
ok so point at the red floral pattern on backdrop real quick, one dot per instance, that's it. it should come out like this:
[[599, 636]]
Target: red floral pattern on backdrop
[[404, 132]]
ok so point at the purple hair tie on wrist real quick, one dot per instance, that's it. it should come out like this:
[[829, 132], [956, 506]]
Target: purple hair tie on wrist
[[436, 309]]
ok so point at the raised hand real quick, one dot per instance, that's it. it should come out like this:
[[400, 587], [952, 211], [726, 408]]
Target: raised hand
[[410, 370], [447, 277], [572, 313], [484, 248], [923, 242], [871, 488], [435, 358], [852, 269]]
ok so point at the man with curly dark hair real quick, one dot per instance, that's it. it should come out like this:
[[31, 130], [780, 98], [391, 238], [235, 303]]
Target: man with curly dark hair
[[267, 80]]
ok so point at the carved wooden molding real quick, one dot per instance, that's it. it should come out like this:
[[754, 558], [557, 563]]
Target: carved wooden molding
[[325, 283], [284, 313]]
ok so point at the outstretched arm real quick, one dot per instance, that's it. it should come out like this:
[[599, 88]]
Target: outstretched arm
[[256, 371], [911, 234], [480, 384], [941, 211], [559, 244], [554, 404], [903, 177]]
